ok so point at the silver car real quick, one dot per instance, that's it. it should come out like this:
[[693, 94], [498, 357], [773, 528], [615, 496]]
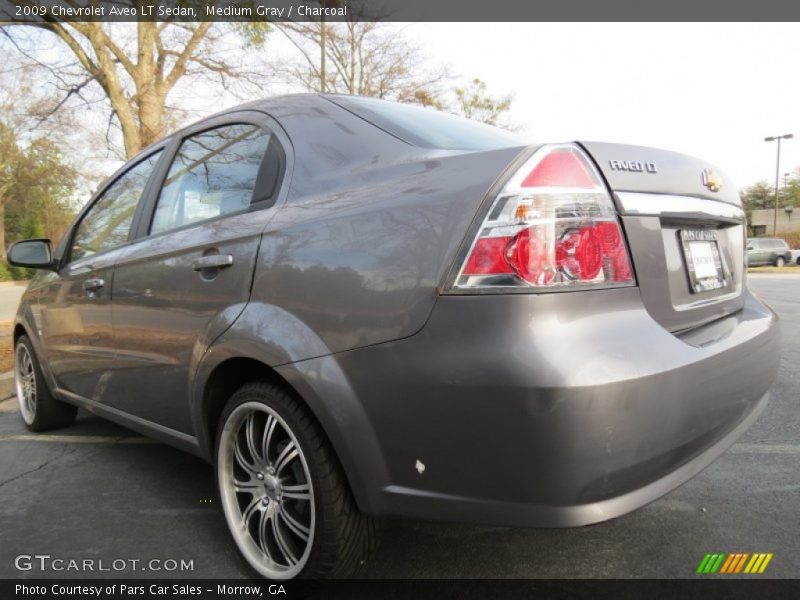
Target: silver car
[[768, 251], [357, 309]]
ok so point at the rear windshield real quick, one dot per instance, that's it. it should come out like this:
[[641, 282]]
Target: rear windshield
[[427, 127]]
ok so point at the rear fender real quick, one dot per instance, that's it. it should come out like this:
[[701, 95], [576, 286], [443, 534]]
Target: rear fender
[[274, 337]]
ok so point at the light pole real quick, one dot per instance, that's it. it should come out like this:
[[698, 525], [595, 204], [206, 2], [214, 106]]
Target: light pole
[[777, 138]]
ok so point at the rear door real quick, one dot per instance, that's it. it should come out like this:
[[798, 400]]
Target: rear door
[[75, 303], [685, 227], [762, 252], [769, 252], [188, 275]]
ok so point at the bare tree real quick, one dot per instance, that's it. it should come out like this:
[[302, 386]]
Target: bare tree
[[136, 66], [362, 58], [474, 102]]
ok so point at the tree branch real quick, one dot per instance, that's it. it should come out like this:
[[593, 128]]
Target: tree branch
[[179, 68]]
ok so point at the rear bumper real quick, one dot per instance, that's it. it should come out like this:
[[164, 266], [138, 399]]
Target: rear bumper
[[553, 410]]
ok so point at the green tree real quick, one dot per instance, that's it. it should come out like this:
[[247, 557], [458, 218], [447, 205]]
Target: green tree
[[758, 195], [35, 187], [761, 195], [790, 194]]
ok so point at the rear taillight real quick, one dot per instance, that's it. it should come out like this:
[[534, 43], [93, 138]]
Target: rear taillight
[[552, 226]]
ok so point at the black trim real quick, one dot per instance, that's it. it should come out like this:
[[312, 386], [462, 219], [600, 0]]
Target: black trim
[[153, 188]]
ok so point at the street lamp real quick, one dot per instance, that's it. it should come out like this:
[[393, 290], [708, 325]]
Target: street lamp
[[777, 138]]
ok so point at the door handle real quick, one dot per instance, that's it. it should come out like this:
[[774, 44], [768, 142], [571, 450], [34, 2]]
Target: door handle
[[213, 261], [94, 284]]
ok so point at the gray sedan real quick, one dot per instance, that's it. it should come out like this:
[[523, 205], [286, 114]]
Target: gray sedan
[[355, 309]]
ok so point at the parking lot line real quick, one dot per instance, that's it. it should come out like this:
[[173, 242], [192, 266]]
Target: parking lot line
[[765, 449], [76, 439]]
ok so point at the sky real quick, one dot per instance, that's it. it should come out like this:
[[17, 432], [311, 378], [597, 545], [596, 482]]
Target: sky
[[712, 90]]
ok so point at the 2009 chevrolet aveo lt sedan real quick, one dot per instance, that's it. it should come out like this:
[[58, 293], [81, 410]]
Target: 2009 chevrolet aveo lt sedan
[[356, 308]]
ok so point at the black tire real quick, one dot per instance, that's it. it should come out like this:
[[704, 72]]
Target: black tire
[[45, 412], [342, 538], [780, 262]]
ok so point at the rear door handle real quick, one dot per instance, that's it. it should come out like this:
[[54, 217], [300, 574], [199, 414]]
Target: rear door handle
[[213, 261], [94, 284]]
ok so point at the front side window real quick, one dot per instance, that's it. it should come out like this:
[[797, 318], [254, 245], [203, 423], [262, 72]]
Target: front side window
[[108, 222], [214, 173]]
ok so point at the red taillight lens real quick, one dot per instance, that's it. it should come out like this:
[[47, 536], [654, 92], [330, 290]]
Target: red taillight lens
[[560, 168], [488, 256], [553, 225], [589, 253], [528, 258]]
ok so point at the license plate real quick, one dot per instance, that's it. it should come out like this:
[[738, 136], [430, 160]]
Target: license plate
[[703, 261]]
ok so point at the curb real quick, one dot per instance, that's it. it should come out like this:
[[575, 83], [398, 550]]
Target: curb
[[6, 385]]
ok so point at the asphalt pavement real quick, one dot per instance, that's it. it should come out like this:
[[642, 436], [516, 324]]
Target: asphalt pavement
[[98, 491]]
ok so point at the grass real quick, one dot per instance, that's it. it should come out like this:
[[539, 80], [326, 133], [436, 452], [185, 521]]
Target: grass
[[787, 270]]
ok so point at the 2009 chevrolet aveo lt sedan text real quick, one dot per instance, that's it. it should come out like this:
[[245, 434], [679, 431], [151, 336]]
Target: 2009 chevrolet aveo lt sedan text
[[356, 308]]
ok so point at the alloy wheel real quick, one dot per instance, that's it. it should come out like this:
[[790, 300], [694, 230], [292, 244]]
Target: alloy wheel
[[266, 491], [25, 380]]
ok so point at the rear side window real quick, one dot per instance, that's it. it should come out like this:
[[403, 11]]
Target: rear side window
[[108, 222], [426, 127], [214, 173]]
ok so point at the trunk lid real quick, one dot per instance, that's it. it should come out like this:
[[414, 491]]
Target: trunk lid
[[685, 227]]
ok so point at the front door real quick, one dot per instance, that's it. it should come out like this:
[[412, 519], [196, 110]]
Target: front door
[[188, 277], [76, 303]]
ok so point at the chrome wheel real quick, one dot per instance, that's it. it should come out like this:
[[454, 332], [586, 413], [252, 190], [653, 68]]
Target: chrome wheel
[[25, 379], [266, 491]]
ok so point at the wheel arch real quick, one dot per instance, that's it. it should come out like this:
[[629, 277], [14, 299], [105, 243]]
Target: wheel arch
[[347, 428], [19, 331], [220, 384]]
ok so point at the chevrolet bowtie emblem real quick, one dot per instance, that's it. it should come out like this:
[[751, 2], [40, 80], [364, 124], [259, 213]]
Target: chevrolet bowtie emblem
[[711, 180]]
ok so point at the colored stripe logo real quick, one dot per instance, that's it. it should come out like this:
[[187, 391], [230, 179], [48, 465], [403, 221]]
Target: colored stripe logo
[[733, 563]]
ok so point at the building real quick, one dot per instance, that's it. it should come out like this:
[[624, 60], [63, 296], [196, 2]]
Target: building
[[761, 220]]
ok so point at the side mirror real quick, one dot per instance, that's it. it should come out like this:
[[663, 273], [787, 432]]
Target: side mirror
[[31, 254]]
